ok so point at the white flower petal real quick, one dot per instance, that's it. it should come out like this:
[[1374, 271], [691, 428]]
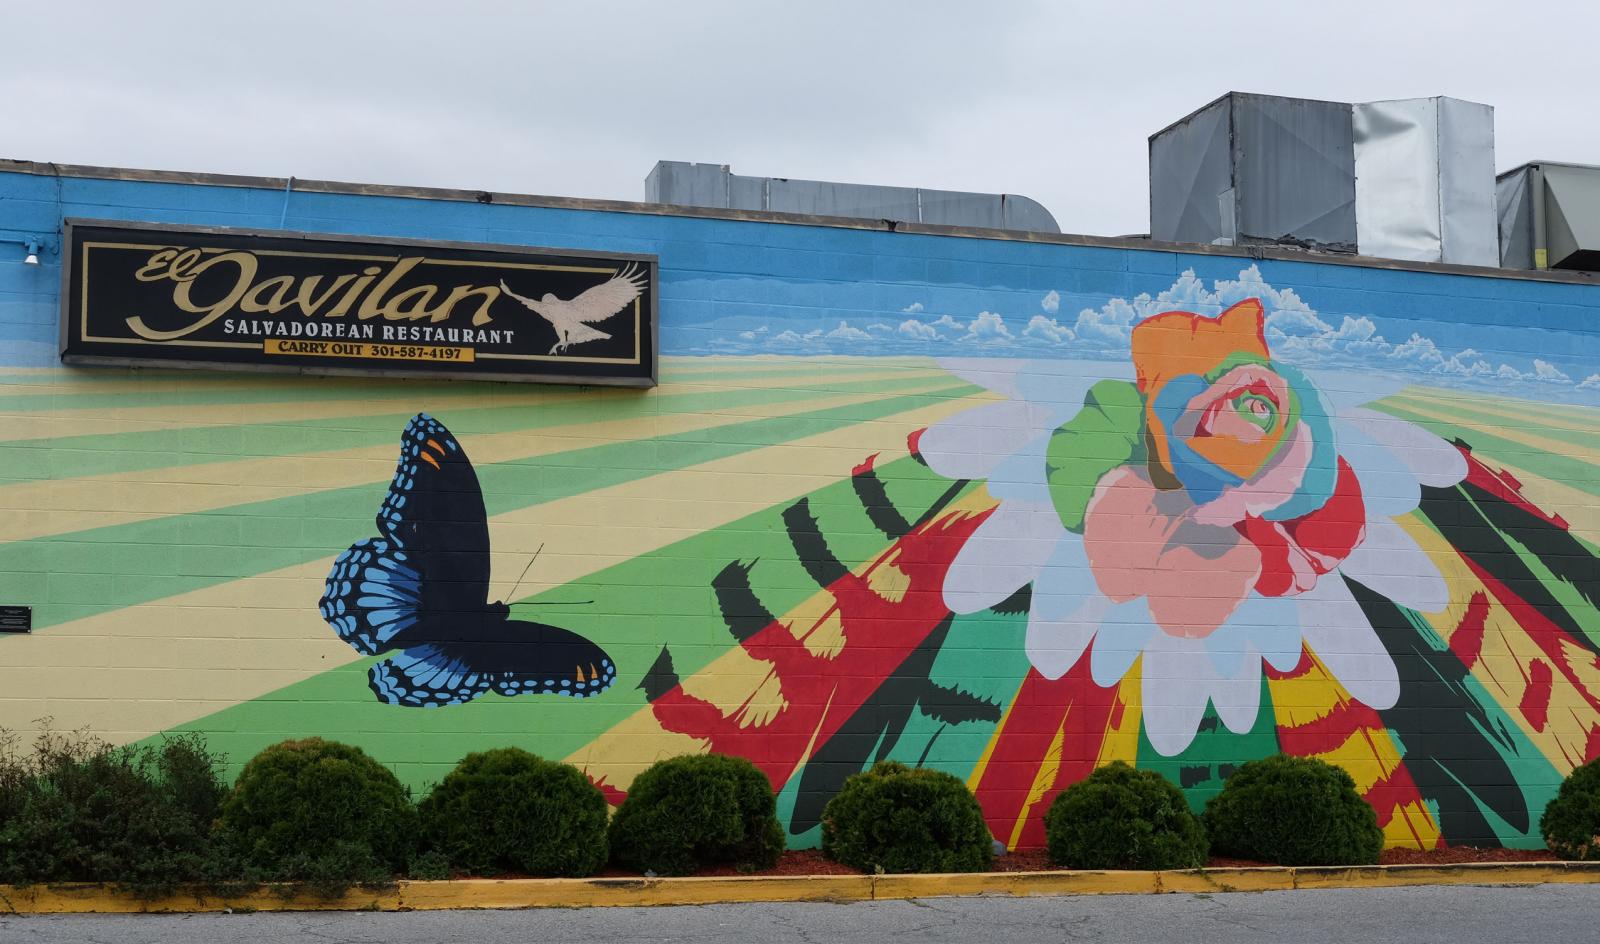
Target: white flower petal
[[1346, 389], [970, 444], [1225, 647], [1175, 685], [1388, 561], [1065, 581], [1005, 552], [1061, 385], [1434, 461], [1123, 633], [1237, 697], [1055, 645], [998, 374], [1021, 475], [1338, 632], [1272, 626], [1388, 487]]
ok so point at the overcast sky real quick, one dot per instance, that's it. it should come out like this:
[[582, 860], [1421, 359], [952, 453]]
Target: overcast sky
[[1053, 100]]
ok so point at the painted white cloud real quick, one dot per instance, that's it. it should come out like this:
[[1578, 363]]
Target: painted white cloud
[[747, 335], [1546, 372], [912, 308], [1419, 350], [790, 340], [1048, 330], [949, 324], [917, 331], [988, 328], [879, 327], [847, 333], [1591, 382], [1051, 301], [1112, 323]]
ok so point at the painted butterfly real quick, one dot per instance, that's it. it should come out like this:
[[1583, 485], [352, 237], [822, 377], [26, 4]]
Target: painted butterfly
[[422, 587]]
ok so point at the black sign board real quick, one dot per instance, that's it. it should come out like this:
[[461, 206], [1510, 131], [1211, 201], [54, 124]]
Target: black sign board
[[176, 296], [16, 619]]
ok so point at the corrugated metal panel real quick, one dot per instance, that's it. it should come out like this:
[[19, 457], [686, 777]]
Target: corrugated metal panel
[[713, 185]]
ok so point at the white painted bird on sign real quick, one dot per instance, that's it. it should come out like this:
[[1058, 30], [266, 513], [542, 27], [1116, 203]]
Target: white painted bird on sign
[[574, 318]]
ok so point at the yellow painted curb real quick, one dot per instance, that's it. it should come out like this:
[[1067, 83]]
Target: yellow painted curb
[[613, 892]]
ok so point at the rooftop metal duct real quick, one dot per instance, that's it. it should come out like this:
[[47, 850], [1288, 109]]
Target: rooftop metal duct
[[713, 185], [1425, 186], [1410, 179], [1550, 216], [1256, 169]]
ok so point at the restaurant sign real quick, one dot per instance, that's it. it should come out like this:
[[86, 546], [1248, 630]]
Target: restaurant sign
[[193, 297]]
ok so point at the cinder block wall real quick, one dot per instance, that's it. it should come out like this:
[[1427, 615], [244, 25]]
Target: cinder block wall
[[1010, 509]]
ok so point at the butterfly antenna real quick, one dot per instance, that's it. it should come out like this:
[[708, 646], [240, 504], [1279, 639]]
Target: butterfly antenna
[[512, 596]]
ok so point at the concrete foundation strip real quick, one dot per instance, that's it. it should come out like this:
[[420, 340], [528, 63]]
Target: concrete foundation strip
[[614, 892]]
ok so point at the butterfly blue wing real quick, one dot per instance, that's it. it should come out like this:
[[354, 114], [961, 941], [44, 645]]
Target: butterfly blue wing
[[426, 676], [510, 657], [372, 595], [434, 511]]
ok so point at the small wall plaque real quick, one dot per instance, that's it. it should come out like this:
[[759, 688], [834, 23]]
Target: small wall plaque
[[16, 619]]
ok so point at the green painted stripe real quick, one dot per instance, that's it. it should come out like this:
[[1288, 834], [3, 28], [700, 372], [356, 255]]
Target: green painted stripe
[[1559, 468], [75, 456], [71, 576], [663, 598], [1582, 612], [1555, 410], [293, 389], [1466, 415]]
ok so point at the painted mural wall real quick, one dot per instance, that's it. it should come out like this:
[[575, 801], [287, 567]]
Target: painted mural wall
[[1011, 510]]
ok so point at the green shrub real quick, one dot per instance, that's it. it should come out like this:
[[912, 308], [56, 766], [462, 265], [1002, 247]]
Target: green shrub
[[1122, 818], [1571, 823], [898, 819], [510, 811], [688, 812], [76, 809], [1293, 811], [319, 812]]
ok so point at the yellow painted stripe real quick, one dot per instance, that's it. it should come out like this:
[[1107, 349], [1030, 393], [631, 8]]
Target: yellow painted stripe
[[139, 670], [1580, 509], [1519, 417], [1532, 440], [133, 418], [1573, 411], [63, 506]]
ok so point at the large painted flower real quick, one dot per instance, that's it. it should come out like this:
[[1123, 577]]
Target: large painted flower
[[1199, 517]]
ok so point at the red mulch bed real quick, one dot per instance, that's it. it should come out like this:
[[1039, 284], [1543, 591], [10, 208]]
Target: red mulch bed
[[1455, 854], [812, 862]]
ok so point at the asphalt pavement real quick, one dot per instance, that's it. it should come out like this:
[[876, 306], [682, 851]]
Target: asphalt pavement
[[1446, 915]]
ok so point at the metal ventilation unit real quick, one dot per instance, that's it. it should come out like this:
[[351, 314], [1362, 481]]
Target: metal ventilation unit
[[1256, 169], [712, 185], [1425, 181], [1410, 179], [1550, 216]]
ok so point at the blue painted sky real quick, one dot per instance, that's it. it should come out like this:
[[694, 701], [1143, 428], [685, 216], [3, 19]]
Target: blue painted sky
[[1438, 339]]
